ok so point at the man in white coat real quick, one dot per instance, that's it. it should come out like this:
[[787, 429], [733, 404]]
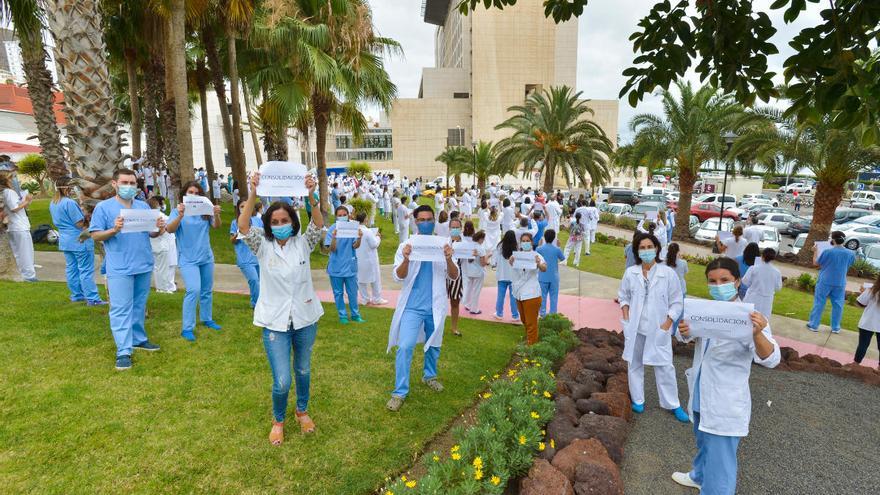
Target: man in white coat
[[421, 310], [554, 213]]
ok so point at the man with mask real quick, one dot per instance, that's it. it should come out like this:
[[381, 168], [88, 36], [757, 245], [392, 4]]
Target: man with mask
[[129, 259], [421, 309]]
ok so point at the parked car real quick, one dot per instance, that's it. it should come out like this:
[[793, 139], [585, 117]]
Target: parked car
[[861, 235], [652, 190], [871, 254], [693, 225], [758, 209], [800, 187], [870, 199], [627, 196], [729, 199], [769, 238], [653, 198], [798, 243], [604, 192], [672, 196], [618, 208], [778, 220], [709, 229], [639, 210], [758, 198], [798, 225], [872, 220], [704, 211], [843, 216]]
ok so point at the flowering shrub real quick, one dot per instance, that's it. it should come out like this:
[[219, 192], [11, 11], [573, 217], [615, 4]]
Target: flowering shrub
[[509, 428]]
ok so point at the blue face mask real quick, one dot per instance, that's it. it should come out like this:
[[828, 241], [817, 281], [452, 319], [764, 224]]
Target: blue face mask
[[723, 292], [342, 219], [455, 232], [648, 255], [127, 192], [526, 245], [425, 228], [282, 232]]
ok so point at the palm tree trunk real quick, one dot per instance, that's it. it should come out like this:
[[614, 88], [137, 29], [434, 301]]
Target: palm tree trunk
[[321, 109], [549, 172], [93, 140], [686, 180], [481, 184], [175, 59], [152, 99], [219, 85], [828, 197], [250, 122], [458, 184], [39, 80], [134, 103], [168, 128], [239, 172], [202, 82]]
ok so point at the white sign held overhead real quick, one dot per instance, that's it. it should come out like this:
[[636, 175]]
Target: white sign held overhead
[[651, 215], [719, 319], [347, 230], [524, 260], [821, 246], [427, 247], [135, 220], [282, 179], [196, 205], [723, 236]]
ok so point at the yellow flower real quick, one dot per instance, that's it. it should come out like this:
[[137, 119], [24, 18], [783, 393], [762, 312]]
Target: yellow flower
[[547, 394], [482, 377], [403, 478], [411, 484], [534, 383], [478, 474], [495, 375], [522, 439], [541, 446], [389, 492], [487, 395], [543, 432], [495, 480], [436, 458], [525, 360], [511, 372], [455, 448], [552, 444], [456, 456], [534, 392], [538, 365], [535, 415], [478, 462]]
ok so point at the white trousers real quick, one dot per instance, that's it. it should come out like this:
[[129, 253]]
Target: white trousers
[[403, 233], [163, 272], [593, 235], [577, 246], [22, 245], [376, 287], [471, 292], [589, 238], [667, 386]]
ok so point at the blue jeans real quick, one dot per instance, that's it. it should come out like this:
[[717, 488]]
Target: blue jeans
[[80, 271], [505, 286], [251, 272], [278, 346], [128, 301], [199, 282], [550, 289], [410, 325], [715, 462], [350, 286], [821, 293]]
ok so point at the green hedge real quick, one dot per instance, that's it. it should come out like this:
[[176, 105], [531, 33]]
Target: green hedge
[[509, 428]]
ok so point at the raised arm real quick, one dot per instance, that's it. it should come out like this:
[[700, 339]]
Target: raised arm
[[244, 219]]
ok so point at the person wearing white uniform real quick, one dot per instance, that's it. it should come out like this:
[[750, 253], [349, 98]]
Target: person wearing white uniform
[[475, 272], [753, 233], [508, 215], [763, 281], [402, 219], [288, 308], [650, 301], [19, 228], [720, 401], [869, 323], [732, 246], [594, 225], [421, 310], [164, 250], [554, 213], [368, 265]]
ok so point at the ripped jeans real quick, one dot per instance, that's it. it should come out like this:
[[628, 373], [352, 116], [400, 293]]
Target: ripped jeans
[[278, 346]]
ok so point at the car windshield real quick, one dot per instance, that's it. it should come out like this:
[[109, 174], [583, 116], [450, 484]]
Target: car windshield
[[872, 252], [712, 224], [641, 208], [867, 219], [799, 242], [770, 235]]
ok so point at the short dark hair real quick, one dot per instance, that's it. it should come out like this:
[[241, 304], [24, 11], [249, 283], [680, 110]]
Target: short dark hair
[[549, 236], [768, 255], [267, 218], [192, 183], [724, 263], [123, 171], [837, 237], [638, 240], [422, 208]]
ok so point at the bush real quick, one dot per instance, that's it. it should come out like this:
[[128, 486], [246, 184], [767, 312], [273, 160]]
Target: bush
[[806, 282], [361, 206], [359, 170], [625, 223], [606, 217], [34, 166], [863, 268]]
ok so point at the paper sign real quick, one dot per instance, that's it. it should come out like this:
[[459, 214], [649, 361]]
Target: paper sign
[[463, 250], [282, 179], [427, 247], [375, 231], [651, 215], [347, 230], [723, 236], [820, 246], [197, 205], [719, 319], [139, 220], [524, 260]]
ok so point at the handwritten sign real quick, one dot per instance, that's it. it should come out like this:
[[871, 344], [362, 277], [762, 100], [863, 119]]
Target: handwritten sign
[[821, 246], [282, 179], [427, 247], [347, 230], [135, 220], [524, 260], [195, 205], [463, 250], [719, 319]]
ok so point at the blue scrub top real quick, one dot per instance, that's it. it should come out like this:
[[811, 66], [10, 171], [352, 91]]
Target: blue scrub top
[[542, 225], [421, 296], [630, 256], [552, 256], [65, 214], [243, 254], [125, 253], [833, 265], [193, 240], [343, 261]]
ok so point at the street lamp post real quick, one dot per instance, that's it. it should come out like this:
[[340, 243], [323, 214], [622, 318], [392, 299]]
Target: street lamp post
[[474, 145], [729, 137]]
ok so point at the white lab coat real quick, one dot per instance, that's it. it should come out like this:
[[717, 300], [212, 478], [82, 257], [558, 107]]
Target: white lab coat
[[763, 281], [403, 221], [439, 300], [594, 217], [870, 319], [725, 398], [368, 257], [663, 299], [554, 212]]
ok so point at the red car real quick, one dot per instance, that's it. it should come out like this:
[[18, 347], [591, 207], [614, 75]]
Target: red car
[[704, 211]]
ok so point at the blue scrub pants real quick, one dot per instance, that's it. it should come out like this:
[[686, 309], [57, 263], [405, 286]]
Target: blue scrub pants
[[251, 273], [505, 286], [550, 289], [199, 282], [411, 322], [350, 286], [278, 346], [128, 301], [820, 294], [80, 271], [715, 462]]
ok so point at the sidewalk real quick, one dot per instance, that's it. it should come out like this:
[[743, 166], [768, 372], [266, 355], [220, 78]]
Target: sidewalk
[[585, 298]]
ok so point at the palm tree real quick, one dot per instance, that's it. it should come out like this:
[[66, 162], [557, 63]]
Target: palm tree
[[687, 136], [834, 156], [93, 139], [482, 164], [552, 133], [457, 160]]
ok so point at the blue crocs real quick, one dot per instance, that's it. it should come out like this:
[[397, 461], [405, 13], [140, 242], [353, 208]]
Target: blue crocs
[[638, 408], [212, 325], [681, 415]]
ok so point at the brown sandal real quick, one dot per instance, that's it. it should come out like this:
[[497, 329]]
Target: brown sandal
[[306, 425], [276, 435]]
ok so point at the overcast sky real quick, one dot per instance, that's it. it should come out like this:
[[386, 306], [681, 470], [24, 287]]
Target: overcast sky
[[604, 49]]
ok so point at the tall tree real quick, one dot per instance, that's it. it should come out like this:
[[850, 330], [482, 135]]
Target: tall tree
[[176, 87], [552, 133], [123, 33], [208, 38], [456, 159], [238, 16], [200, 77]]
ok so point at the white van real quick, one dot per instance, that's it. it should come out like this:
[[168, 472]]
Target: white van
[[652, 190], [868, 199]]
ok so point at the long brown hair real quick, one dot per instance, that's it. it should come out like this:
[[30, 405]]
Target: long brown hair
[[875, 291], [737, 232]]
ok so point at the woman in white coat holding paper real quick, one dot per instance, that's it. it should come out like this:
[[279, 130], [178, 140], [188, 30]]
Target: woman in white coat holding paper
[[720, 400], [368, 264], [763, 281], [650, 301]]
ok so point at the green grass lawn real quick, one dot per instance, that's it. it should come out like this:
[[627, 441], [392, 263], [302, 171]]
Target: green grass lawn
[[220, 239], [194, 417]]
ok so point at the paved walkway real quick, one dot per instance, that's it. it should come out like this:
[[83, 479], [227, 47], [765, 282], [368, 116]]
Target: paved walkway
[[585, 298]]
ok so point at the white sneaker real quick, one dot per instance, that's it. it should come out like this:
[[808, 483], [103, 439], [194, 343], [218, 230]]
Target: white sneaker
[[380, 301], [684, 479]]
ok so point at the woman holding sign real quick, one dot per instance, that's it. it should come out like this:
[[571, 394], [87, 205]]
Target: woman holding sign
[[833, 264], [288, 309], [195, 258], [454, 288], [343, 267], [525, 285], [720, 400], [650, 300]]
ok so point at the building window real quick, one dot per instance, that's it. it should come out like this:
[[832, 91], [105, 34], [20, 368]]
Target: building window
[[616, 183], [532, 88], [461, 95], [455, 137]]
